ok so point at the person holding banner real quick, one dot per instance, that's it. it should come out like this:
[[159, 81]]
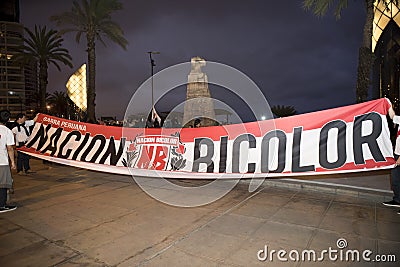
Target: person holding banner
[[155, 119], [395, 202], [21, 132], [197, 123], [6, 155]]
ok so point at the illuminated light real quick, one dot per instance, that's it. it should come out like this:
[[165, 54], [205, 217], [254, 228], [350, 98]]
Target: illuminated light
[[76, 88], [263, 118], [383, 13], [8, 56]]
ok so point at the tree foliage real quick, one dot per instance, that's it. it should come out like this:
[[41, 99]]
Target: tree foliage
[[283, 111], [92, 18], [44, 47]]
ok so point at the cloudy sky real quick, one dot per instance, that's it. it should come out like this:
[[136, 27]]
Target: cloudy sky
[[294, 57]]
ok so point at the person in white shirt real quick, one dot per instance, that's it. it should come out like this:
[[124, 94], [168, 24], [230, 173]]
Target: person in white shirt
[[6, 156], [22, 132], [395, 202]]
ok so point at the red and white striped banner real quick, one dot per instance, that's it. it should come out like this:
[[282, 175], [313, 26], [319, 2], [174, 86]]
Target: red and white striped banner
[[345, 139]]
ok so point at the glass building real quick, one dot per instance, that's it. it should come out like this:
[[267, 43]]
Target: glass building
[[18, 85], [12, 82], [76, 88], [386, 48]]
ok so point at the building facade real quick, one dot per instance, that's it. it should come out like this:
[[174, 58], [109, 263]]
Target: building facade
[[18, 85], [386, 48], [12, 79]]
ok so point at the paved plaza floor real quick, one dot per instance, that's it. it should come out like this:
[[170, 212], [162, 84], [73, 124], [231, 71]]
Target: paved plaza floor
[[74, 217]]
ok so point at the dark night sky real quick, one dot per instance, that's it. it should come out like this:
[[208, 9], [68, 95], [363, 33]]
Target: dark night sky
[[294, 57]]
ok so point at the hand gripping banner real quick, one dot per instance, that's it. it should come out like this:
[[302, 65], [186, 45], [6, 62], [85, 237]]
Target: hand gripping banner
[[346, 139]]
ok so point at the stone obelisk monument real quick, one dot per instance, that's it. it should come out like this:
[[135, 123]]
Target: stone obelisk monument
[[199, 103]]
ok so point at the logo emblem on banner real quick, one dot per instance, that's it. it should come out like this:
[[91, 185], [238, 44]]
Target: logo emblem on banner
[[156, 152]]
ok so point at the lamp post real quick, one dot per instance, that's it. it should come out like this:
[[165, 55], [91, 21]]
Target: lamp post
[[152, 63]]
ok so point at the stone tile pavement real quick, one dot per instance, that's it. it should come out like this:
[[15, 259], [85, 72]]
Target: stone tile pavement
[[74, 217]]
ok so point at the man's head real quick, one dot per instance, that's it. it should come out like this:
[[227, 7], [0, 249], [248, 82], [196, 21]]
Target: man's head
[[20, 118], [197, 122], [4, 116]]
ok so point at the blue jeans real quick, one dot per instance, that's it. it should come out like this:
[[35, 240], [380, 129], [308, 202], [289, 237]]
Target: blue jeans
[[396, 181], [22, 161]]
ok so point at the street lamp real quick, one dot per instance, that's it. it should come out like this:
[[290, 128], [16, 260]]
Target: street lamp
[[152, 63]]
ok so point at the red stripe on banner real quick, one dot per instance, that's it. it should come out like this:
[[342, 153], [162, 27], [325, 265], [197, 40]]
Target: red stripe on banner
[[318, 119], [82, 127], [307, 121]]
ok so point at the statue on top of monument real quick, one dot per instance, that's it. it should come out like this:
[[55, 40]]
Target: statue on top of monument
[[197, 64], [196, 75]]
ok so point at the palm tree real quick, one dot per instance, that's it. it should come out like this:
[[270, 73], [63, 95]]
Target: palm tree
[[43, 46], [93, 19], [60, 104], [283, 111], [35, 99], [365, 55]]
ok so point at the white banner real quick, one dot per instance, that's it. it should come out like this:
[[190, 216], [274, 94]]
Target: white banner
[[346, 139]]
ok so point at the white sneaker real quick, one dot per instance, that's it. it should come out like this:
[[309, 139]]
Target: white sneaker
[[7, 208]]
